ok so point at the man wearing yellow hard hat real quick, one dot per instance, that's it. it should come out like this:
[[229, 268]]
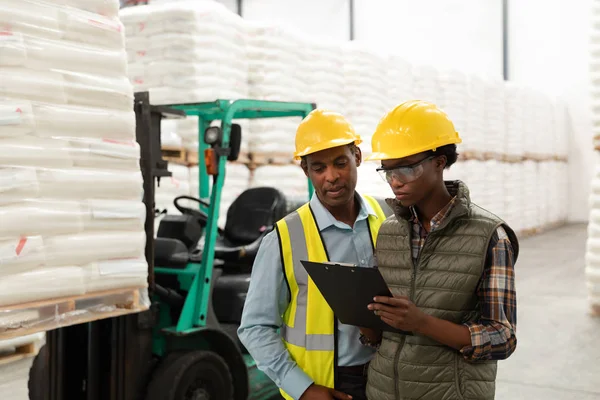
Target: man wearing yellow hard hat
[[448, 263], [287, 326]]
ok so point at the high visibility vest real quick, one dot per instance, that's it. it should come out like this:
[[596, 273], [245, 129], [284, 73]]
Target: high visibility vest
[[309, 328]]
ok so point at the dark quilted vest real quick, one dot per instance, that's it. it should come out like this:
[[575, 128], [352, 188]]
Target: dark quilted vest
[[443, 283]]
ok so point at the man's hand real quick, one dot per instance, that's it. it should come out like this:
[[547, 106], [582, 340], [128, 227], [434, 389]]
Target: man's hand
[[399, 312], [317, 392]]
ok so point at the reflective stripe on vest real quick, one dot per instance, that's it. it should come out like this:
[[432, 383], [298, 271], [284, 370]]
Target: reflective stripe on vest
[[308, 329]]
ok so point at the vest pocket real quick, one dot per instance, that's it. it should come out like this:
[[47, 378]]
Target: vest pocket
[[458, 374]]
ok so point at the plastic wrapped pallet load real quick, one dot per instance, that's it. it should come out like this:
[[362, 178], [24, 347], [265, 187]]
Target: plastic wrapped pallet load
[[371, 183], [400, 80], [474, 143], [289, 179], [323, 74], [366, 90], [274, 57], [425, 83], [494, 117], [453, 97], [514, 105], [592, 258], [69, 164], [513, 184], [186, 52]]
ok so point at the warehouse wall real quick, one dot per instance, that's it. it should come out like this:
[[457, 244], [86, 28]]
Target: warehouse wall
[[551, 54]]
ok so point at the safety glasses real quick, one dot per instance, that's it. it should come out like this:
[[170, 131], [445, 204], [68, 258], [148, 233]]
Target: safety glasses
[[405, 173]]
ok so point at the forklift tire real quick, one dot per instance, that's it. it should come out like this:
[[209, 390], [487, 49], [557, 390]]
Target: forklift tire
[[191, 375], [38, 375]]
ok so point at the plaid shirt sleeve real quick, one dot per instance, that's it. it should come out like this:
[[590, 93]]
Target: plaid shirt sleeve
[[493, 336]]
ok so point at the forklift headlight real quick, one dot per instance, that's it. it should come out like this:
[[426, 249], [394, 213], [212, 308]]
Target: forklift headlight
[[212, 135]]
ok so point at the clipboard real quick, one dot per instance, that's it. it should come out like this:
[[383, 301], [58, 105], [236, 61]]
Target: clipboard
[[349, 289]]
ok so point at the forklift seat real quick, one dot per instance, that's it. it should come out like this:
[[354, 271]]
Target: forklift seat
[[249, 218], [170, 253]]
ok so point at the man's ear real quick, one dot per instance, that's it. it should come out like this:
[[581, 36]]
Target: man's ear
[[358, 156], [304, 167]]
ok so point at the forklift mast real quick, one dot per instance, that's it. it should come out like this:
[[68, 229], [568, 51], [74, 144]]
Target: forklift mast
[[111, 359]]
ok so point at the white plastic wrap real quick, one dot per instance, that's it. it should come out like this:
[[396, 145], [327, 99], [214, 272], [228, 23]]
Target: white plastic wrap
[[186, 52], [108, 8], [494, 135], [366, 90], [273, 139], [530, 195], [476, 124], [514, 105], [592, 258], [370, 182], [425, 83], [513, 184], [290, 179], [453, 97], [322, 73], [400, 81], [274, 54], [70, 181]]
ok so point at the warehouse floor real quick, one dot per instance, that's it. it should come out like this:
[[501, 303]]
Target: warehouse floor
[[558, 352]]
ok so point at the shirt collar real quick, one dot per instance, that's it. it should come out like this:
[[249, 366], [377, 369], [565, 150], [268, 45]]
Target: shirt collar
[[325, 219], [438, 218]]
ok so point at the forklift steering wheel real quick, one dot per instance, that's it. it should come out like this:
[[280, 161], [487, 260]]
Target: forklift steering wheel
[[200, 215]]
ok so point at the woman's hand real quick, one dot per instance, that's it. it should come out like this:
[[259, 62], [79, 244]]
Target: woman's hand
[[399, 312]]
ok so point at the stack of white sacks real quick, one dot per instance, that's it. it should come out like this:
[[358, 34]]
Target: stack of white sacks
[[592, 269], [425, 83], [400, 81], [592, 257], [186, 52], [275, 62], [504, 121], [476, 124], [366, 89], [71, 215], [323, 73], [289, 179], [370, 181]]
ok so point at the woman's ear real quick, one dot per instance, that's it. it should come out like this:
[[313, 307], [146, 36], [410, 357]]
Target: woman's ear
[[440, 163]]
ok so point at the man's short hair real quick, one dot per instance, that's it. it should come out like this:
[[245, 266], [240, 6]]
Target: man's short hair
[[353, 149]]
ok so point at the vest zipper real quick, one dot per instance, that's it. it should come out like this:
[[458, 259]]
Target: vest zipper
[[413, 288]]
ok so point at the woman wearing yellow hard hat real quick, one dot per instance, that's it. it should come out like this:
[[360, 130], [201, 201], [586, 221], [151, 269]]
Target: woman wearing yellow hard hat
[[287, 326], [448, 263]]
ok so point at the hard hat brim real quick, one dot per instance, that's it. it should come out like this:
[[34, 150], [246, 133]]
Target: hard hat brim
[[391, 155], [326, 145]]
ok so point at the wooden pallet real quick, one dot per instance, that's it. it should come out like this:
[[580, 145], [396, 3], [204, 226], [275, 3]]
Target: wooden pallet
[[258, 159], [179, 155], [21, 352], [72, 310]]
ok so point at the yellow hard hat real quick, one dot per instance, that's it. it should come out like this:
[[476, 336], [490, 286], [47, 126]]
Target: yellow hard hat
[[411, 128], [323, 129]]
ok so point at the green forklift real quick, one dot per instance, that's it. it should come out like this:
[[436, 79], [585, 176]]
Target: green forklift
[[185, 346], [202, 272]]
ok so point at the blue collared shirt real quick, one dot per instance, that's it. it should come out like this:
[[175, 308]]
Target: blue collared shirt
[[268, 298]]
